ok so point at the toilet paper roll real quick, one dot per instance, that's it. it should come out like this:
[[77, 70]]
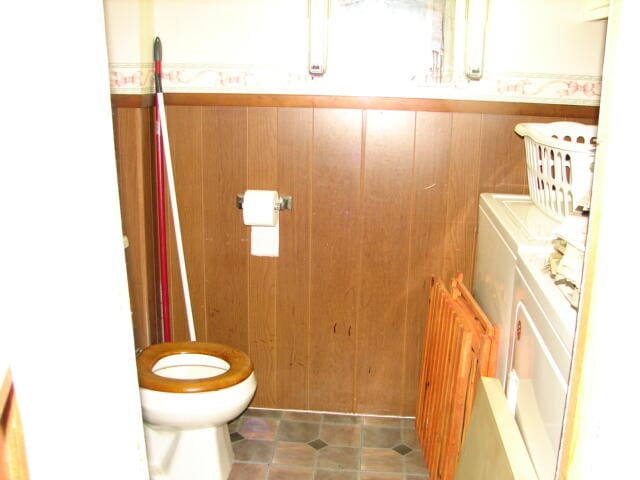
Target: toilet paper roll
[[258, 208], [265, 241]]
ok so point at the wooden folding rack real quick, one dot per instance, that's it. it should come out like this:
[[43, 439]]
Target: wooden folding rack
[[460, 345]]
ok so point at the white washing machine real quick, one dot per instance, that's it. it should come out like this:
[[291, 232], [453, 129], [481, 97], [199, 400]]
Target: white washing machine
[[507, 224], [542, 340]]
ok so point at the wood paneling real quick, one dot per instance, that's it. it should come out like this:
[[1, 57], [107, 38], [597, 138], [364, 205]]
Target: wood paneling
[[226, 239], [500, 142], [363, 103], [262, 170], [464, 166], [336, 240], [387, 198], [430, 184], [462, 195], [185, 135], [135, 166], [502, 156], [121, 100], [382, 200], [295, 134]]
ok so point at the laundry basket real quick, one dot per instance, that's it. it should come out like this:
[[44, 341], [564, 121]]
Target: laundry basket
[[559, 165]]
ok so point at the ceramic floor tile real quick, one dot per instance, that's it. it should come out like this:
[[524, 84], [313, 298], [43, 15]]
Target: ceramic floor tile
[[290, 473], [259, 428], [317, 444], [300, 445], [336, 475], [253, 451], [249, 471], [340, 435], [410, 439], [292, 431], [233, 425], [293, 453], [381, 460], [343, 458], [402, 449], [380, 437], [414, 463], [381, 476]]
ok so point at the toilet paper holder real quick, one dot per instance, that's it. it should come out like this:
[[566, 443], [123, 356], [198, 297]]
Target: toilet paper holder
[[283, 203]]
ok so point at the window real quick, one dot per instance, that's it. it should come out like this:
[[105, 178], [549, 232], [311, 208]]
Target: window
[[386, 42]]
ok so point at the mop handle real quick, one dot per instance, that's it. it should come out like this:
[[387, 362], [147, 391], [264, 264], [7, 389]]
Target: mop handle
[[157, 57], [160, 201], [157, 64], [176, 220]]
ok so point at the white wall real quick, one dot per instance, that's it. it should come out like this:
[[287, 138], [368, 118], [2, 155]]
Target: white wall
[[543, 37], [66, 321], [131, 27], [242, 32], [607, 418], [536, 51]]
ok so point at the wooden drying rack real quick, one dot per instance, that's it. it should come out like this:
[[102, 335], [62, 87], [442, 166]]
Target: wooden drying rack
[[460, 346]]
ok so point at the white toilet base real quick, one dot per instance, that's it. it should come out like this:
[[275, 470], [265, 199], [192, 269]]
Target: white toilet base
[[193, 454]]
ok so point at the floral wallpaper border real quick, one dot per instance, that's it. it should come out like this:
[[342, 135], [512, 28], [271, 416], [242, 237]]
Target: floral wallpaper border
[[514, 87]]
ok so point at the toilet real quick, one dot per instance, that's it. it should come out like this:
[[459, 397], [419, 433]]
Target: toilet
[[189, 391]]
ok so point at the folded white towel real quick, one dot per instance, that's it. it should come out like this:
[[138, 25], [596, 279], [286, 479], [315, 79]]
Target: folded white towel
[[574, 230]]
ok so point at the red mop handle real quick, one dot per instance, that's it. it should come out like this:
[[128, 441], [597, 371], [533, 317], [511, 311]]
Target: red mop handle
[[160, 199]]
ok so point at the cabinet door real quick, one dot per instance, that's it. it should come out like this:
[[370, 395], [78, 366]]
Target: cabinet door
[[493, 448]]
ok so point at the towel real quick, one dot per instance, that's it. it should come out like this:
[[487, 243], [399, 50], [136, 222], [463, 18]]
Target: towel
[[565, 264], [573, 230]]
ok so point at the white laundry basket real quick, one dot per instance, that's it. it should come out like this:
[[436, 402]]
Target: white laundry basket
[[559, 164]]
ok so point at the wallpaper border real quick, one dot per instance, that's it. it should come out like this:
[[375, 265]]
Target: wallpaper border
[[510, 87]]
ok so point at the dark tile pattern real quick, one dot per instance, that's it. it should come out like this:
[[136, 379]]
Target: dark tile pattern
[[292, 445], [402, 449], [317, 444]]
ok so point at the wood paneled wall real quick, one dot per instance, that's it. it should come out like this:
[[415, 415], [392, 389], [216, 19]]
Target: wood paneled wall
[[382, 199], [134, 160]]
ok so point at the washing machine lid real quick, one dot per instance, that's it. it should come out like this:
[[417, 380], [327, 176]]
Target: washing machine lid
[[561, 314], [520, 222]]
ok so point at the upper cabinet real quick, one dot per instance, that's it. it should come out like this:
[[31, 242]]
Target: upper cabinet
[[595, 9]]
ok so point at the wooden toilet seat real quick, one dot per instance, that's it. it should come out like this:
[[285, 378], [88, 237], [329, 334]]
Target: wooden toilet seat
[[240, 367]]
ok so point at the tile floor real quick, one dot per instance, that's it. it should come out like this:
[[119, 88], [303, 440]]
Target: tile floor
[[293, 445]]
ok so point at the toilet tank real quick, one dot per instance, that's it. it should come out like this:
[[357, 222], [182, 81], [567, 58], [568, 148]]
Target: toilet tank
[[507, 224]]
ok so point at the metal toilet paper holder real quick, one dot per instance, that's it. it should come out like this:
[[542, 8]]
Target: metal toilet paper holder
[[284, 202]]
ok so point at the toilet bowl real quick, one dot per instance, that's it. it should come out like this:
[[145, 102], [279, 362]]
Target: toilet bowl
[[189, 391]]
